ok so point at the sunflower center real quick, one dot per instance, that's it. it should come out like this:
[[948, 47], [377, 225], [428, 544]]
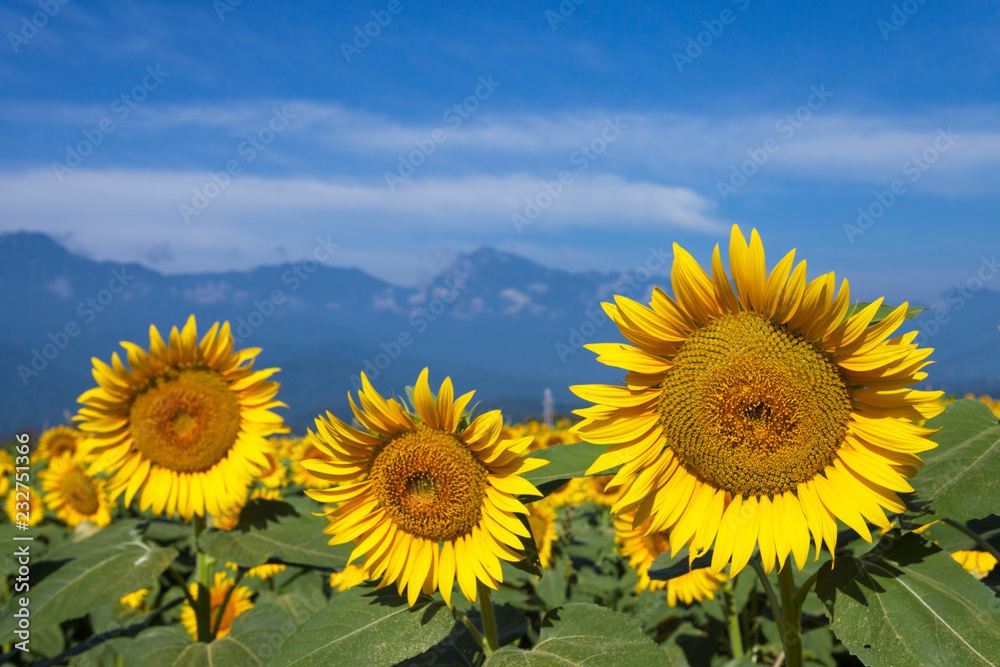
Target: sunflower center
[[430, 484], [753, 408], [64, 445], [186, 420], [79, 492]]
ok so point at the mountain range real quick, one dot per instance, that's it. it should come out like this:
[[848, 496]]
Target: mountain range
[[493, 321]]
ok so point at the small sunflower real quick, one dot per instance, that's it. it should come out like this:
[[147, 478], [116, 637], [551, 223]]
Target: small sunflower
[[304, 450], [978, 563], [759, 415], [597, 492], [238, 603], [542, 519], [74, 495], [231, 516], [265, 571], [572, 492], [275, 474], [349, 577], [425, 498], [6, 468], [641, 549], [33, 506], [184, 426], [58, 441], [135, 600]]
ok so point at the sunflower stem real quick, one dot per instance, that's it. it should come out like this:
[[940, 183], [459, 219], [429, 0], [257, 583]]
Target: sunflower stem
[[489, 620], [727, 600], [470, 627], [962, 528], [791, 618], [803, 591], [203, 578], [772, 599]]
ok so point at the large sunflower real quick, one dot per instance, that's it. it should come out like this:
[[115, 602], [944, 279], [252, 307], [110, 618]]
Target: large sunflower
[[758, 415], [74, 495], [184, 424], [425, 497]]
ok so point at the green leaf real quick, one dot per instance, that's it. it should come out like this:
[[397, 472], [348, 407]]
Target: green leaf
[[158, 647], [908, 603], [565, 463], [271, 529], [365, 627], [961, 476], [461, 648], [92, 572], [882, 312], [585, 634], [254, 638]]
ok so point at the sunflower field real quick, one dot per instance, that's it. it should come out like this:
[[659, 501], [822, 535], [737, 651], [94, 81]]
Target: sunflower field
[[763, 487]]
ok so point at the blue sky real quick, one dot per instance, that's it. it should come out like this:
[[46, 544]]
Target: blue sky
[[666, 121]]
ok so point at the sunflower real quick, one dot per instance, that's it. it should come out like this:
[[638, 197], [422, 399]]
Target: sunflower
[[349, 577], [185, 424], [760, 415], [542, 519], [275, 474], [74, 495], [58, 441], [597, 492], [6, 468], [238, 603], [979, 563], [424, 497], [572, 492], [307, 449], [231, 516], [135, 600], [641, 549], [265, 571], [33, 507]]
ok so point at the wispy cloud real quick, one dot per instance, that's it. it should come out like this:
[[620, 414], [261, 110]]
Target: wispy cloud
[[682, 148]]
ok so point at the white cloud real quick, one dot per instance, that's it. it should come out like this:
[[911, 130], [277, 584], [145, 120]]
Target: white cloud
[[116, 213]]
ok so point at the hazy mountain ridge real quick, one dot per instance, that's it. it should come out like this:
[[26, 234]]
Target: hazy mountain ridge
[[494, 321]]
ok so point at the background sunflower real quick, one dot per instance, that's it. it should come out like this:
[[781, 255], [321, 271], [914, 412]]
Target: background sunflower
[[184, 425]]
